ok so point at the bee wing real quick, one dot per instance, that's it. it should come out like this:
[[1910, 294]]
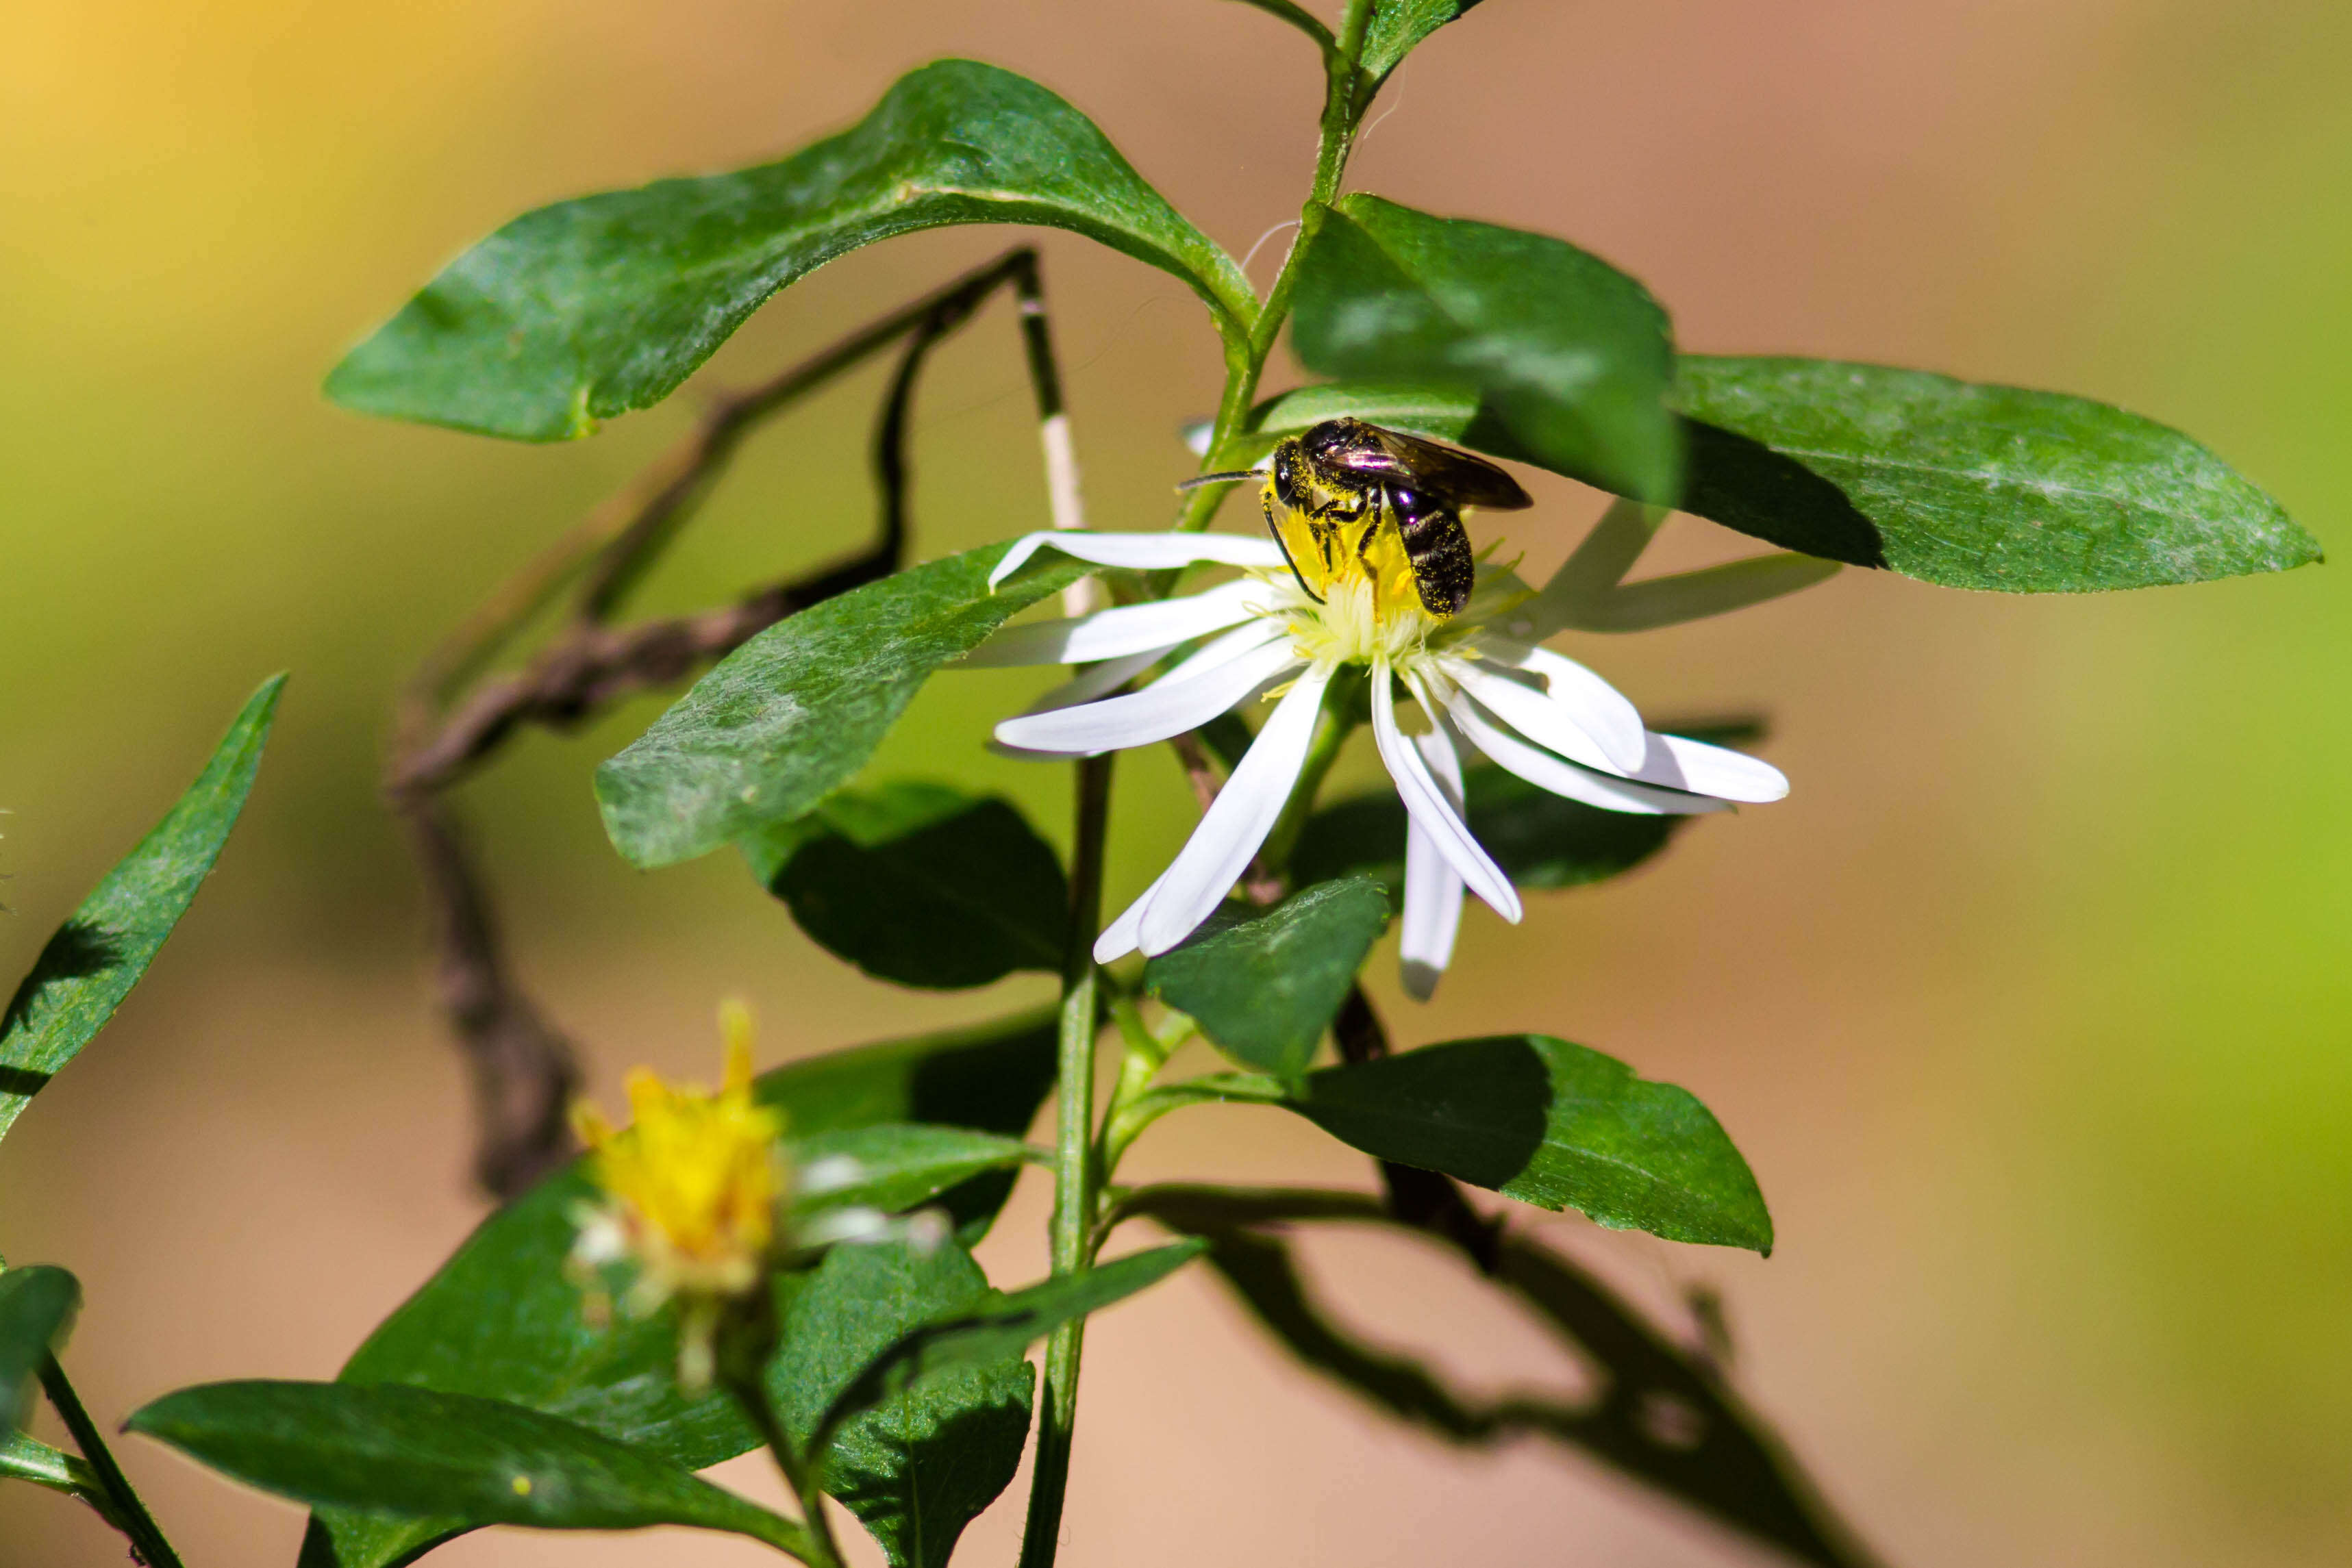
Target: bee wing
[[1445, 471]]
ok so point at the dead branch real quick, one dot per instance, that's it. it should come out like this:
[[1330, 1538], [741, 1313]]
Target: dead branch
[[452, 718]]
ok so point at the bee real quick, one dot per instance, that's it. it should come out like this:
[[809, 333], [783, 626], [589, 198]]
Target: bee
[[1346, 497]]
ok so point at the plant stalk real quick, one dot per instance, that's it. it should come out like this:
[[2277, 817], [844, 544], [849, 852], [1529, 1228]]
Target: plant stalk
[[146, 1536], [1343, 105], [1077, 1173], [819, 1549], [1074, 1174]]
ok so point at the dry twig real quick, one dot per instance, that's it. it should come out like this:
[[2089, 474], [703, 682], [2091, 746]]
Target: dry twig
[[454, 717]]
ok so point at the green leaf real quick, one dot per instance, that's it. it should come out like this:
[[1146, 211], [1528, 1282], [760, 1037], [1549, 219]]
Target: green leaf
[[919, 1466], [1455, 413], [410, 1451], [990, 1077], [1662, 1413], [1550, 1124], [1968, 486], [1540, 840], [588, 309], [90, 965], [788, 717], [24, 1458], [1573, 357], [1265, 989], [899, 1165], [1298, 17], [500, 1320], [37, 1308], [1440, 412], [921, 883], [1399, 26], [1004, 1327]]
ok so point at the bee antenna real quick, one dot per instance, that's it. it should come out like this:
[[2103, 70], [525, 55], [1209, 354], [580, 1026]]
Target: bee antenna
[[1233, 476]]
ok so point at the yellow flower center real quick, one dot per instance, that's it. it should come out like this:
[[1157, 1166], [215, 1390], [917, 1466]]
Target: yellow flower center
[[696, 1179], [1356, 623]]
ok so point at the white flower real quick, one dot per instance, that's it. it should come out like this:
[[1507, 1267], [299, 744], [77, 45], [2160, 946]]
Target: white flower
[[1479, 677]]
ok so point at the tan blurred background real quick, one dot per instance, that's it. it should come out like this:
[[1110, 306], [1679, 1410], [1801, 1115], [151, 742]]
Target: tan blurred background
[[2028, 1005]]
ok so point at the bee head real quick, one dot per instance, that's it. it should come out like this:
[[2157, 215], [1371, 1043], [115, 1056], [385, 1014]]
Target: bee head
[[1285, 473]]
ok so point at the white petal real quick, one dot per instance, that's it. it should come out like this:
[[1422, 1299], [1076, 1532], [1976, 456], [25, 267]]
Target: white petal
[[1433, 915], [1143, 552], [1426, 805], [1532, 714], [1545, 771], [1083, 687], [1119, 937], [1432, 888], [1437, 749], [1130, 629], [830, 1174], [1167, 707], [1591, 704], [1090, 684], [1237, 822], [1693, 764]]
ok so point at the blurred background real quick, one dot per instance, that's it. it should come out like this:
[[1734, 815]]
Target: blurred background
[[2028, 1005]]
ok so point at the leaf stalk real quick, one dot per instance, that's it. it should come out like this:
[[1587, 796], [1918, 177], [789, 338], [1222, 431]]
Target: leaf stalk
[[128, 1513]]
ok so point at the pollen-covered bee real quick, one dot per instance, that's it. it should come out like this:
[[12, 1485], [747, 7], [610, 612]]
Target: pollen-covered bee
[[1347, 497]]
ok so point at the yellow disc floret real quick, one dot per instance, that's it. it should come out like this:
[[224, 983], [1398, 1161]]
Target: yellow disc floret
[[691, 1186]]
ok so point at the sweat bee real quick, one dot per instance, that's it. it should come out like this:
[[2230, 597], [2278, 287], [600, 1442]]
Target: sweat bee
[[1345, 497]]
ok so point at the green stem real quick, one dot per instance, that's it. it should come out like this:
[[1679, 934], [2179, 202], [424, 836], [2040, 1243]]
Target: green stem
[[1077, 1173], [23, 1459], [1147, 1052], [1343, 105], [1074, 1174], [1126, 1123], [146, 1535], [819, 1549]]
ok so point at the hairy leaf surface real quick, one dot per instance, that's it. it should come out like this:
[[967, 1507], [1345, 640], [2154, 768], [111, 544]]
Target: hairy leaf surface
[[1574, 357], [921, 1464], [1265, 987], [788, 717], [1550, 1124], [1004, 1325], [1968, 486], [1949, 482], [416, 1453], [588, 309], [1398, 26]]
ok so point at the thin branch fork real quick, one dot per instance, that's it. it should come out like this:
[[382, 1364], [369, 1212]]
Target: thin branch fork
[[592, 663], [525, 1071]]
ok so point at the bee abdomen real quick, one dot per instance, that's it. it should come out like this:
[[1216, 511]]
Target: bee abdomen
[[1443, 568]]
